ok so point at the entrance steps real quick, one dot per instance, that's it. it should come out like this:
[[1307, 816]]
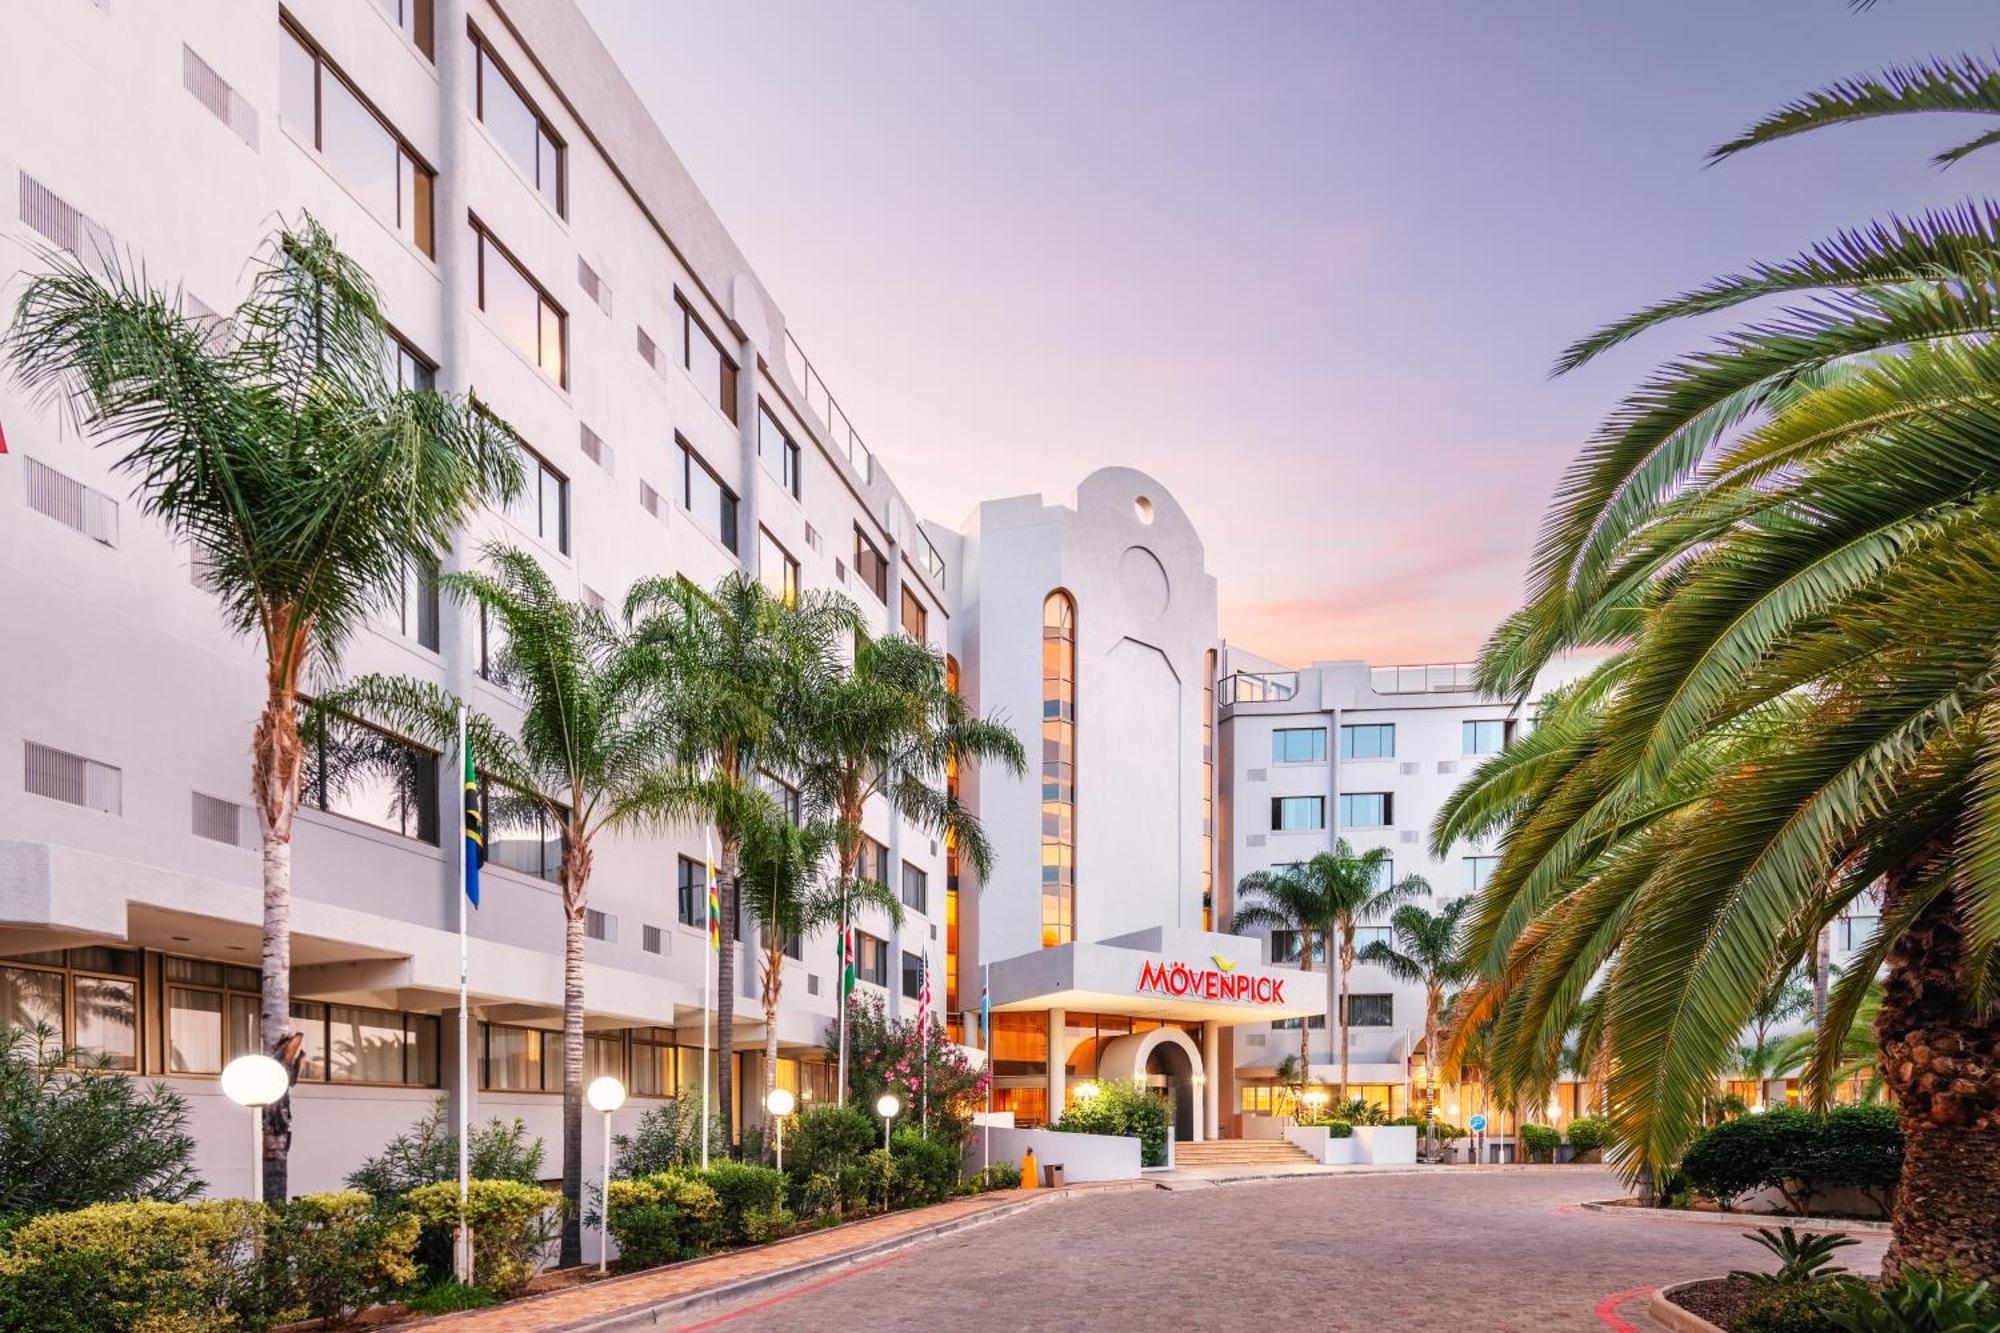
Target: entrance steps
[[1239, 1152]]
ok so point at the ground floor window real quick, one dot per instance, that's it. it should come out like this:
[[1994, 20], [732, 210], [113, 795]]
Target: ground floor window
[[87, 998], [1020, 1044], [1029, 1105]]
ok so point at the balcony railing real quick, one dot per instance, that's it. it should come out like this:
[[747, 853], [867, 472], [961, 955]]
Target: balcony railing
[[1257, 687], [1423, 678]]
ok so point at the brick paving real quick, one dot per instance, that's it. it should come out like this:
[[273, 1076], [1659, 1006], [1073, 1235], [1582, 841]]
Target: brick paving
[[1471, 1250]]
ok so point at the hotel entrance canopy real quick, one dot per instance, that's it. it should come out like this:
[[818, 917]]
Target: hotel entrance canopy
[[1177, 975]]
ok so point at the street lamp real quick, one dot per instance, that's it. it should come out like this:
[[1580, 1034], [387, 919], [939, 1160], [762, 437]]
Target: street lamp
[[605, 1094], [1087, 1092], [886, 1107], [254, 1082], [780, 1104]]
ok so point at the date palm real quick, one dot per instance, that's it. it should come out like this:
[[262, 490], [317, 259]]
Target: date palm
[[889, 728], [1424, 951], [1792, 539], [279, 449], [590, 759]]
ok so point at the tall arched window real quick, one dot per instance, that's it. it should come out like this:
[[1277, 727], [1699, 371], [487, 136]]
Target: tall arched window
[[1208, 791], [952, 1021], [1058, 770]]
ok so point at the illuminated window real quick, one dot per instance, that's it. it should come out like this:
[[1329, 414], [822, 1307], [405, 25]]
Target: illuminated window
[[1058, 770], [951, 867], [1208, 792]]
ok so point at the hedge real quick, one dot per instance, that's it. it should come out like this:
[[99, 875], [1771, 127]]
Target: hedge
[[1119, 1108], [512, 1224], [1799, 1154], [1540, 1141]]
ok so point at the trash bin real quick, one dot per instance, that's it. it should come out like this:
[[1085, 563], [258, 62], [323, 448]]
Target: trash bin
[[1052, 1175]]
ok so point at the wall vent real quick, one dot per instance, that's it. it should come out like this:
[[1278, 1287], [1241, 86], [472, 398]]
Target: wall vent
[[1447, 765], [71, 503], [839, 569], [813, 539], [218, 820], [1407, 835], [647, 351], [600, 925], [1255, 1038], [812, 983], [597, 451], [592, 598], [62, 776], [60, 221], [652, 940], [596, 288], [1253, 840], [1409, 770], [1256, 775], [649, 499], [213, 91]]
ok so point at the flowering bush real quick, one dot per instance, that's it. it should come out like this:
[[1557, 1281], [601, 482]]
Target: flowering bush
[[1120, 1108], [892, 1056]]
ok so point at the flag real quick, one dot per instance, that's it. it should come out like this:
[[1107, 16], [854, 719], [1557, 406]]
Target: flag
[[985, 1019], [846, 962], [714, 912], [924, 991], [475, 840]]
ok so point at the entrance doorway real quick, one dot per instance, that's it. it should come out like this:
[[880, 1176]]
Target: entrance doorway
[[1170, 1074]]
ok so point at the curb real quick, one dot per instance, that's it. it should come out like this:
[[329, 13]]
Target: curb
[[1674, 1317], [1857, 1226]]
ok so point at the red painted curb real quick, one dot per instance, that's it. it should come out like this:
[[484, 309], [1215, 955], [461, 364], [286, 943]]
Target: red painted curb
[[1607, 1309], [795, 1292]]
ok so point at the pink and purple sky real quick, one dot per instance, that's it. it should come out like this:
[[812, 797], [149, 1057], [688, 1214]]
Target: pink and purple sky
[[1307, 264]]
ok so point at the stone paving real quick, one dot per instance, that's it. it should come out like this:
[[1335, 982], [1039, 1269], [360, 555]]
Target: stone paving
[[1471, 1250]]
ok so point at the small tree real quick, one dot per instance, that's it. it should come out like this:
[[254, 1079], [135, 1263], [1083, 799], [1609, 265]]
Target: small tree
[[893, 1055], [427, 1152], [1425, 953]]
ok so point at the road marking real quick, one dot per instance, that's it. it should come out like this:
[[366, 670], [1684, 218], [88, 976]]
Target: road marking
[[794, 1292], [1607, 1309]]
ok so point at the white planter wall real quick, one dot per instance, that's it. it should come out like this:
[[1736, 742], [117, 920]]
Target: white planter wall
[[1083, 1157], [1320, 1145], [1386, 1145]]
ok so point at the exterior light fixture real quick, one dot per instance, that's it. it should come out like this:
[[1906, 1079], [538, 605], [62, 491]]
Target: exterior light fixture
[[886, 1106], [255, 1082], [605, 1094], [780, 1104], [1087, 1092]]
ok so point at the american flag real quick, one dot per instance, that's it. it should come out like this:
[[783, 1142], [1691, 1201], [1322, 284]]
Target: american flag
[[924, 992]]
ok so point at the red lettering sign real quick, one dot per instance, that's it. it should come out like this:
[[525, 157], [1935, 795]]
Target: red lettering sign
[[1207, 983]]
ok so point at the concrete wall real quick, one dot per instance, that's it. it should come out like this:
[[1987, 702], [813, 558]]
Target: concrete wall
[[1083, 1157]]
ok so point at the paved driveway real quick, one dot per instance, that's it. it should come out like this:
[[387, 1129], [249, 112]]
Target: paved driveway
[[1470, 1251]]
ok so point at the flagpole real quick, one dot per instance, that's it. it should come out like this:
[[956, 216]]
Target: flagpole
[[924, 1052], [707, 899], [462, 1252], [986, 1036], [840, 992]]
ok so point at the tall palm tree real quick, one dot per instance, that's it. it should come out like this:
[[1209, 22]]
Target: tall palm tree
[[1425, 952], [890, 727], [592, 759], [279, 449], [1288, 898], [1793, 539], [785, 890], [747, 665]]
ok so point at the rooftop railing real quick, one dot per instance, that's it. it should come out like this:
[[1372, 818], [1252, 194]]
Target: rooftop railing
[[1257, 687], [1423, 678]]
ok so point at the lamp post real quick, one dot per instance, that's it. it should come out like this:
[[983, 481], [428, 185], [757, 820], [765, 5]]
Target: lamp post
[[780, 1104], [605, 1094], [886, 1107], [254, 1082], [1087, 1092]]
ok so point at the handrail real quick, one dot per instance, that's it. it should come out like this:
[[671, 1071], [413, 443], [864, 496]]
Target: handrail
[[1257, 687]]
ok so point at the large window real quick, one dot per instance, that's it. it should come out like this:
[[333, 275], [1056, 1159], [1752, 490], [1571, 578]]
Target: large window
[[88, 998], [1314, 1023], [778, 451], [691, 893], [776, 568], [360, 773], [530, 322], [521, 834], [711, 504], [1367, 809], [1299, 745], [1368, 1011], [414, 614], [321, 107], [1488, 737], [787, 797], [711, 368], [916, 888], [913, 976], [1285, 947], [417, 19], [211, 1014], [1368, 740], [542, 507], [871, 959], [916, 616], [517, 127], [874, 862], [1479, 869], [869, 566], [409, 368], [1058, 770], [1293, 813]]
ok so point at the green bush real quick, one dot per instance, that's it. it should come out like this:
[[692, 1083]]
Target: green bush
[[877, 1174], [926, 1170], [999, 1176], [767, 1224], [70, 1138], [667, 1136], [336, 1252], [1540, 1141], [1922, 1303], [427, 1152], [1588, 1133], [1802, 1307], [448, 1298], [741, 1189], [1860, 1147], [826, 1138], [664, 1217], [1798, 1153], [129, 1265], [1335, 1129], [1358, 1111], [61, 1293], [1120, 1108], [512, 1224]]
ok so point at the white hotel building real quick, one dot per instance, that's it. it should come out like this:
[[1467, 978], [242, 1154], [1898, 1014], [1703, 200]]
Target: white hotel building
[[535, 237]]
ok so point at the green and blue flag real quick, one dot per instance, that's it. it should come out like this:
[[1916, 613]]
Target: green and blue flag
[[475, 838]]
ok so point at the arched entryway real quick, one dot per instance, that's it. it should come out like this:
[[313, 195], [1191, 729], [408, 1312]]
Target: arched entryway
[[1167, 1060]]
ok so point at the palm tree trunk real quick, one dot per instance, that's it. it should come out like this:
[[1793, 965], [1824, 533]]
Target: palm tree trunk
[[1305, 1025], [725, 992], [1822, 968], [575, 895], [1332, 995], [277, 772], [1346, 961], [850, 850], [774, 981], [1938, 1059], [1431, 1000]]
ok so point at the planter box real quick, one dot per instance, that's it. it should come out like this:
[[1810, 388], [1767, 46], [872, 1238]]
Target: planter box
[[1082, 1157], [1320, 1145], [1257, 1126], [1386, 1145]]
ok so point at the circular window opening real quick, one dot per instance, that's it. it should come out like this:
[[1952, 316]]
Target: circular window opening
[[1143, 508]]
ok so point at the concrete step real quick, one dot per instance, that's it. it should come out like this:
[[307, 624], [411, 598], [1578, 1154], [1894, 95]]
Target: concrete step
[[1238, 1152]]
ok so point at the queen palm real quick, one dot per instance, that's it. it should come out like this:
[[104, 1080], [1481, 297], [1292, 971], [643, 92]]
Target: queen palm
[[1791, 537], [890, 727], [280, 451], [1423, 950], [591, 760]]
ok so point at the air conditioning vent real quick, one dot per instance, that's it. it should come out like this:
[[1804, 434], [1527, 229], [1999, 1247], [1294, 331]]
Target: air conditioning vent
[[647, 351], [1447, 765], [1253, 840], [597, 451], [1256, 775], [61, 221], [649, 499], [213, 91], [73, 779], [1407, 835], [600, 925], [71, 503], [593, 286], [218, 820], [839, 569], [813, 539], [1409, 770], [652, 940], [812, 983], [1254, 1038]]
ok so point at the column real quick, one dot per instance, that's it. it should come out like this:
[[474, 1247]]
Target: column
[[1211, 1087], [1058, 1092], [750, 505]]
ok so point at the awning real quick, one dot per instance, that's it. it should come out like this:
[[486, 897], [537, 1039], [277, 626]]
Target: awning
[[1178, 975]]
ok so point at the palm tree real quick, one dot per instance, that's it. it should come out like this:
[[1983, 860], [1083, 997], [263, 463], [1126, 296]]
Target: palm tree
[[592, 759], [890, 727], [785, 890], [1290, 898], [1791, 539], [279, 449], [747, 665], [1425, 953]]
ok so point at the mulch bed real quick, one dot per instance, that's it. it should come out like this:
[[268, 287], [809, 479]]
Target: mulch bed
[[1718, 1300]]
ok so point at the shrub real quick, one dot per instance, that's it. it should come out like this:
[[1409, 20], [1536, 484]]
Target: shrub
[[448, 1298], [511, 1225], [1119, 1108], [877, 1175], [1749, 1153], [827, 1138], [1358, 1111], [667, 1136], [885, 1055], [1809, 1307], [1336, 1129], [125, 1265], [427, 1152], [338, 1253], [73, 1137], [1922, 1303], [926, 1170], [1588, 1133], [1860, 1147], [1540, 1142], [1801, 1258], [999, 1176], [664, 1217], [742, 1188], [767, 1224]]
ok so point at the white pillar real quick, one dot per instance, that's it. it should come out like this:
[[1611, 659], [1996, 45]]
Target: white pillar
[[1211, 1088], [1058, 1092]]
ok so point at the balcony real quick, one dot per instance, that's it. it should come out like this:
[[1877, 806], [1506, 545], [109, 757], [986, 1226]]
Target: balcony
[[1257, 687], [1425, 678]]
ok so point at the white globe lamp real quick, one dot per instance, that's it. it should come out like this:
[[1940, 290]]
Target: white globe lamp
[[605, 1094], [255, 1082]]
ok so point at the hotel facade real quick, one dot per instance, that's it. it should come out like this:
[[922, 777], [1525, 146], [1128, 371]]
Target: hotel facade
[[535, 238]]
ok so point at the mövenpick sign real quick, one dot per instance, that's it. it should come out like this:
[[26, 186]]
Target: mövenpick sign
[[1207, 983]]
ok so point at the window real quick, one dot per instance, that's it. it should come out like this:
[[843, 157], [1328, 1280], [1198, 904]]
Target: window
[[1316, 1023], [521, 1059], [521, 833], [652, 1055], [417, 19], [916, 617], [408, 368], [415, 613], [71, 778], [517, 127], [88, 998], [1854, 932], [776, 568], [1300, 745], [711, 504], [1292, 813], [1367, 935], [1058, 769], [495, 665], [211, 1014], [874, 862], [1285, 947], [1366, 809], [1368, 740], [787, 797], [1479, 869], [869, 565], [871, 959], [325, 110], [1368, 1011], [520, 310], [360, 773], [913, 976], [542, 507], [778, 451], [701, 355], [1485, 737], [691, 893], [916, 888]]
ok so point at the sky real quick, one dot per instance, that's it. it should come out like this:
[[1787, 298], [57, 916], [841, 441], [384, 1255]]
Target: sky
[[1306, 264]]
